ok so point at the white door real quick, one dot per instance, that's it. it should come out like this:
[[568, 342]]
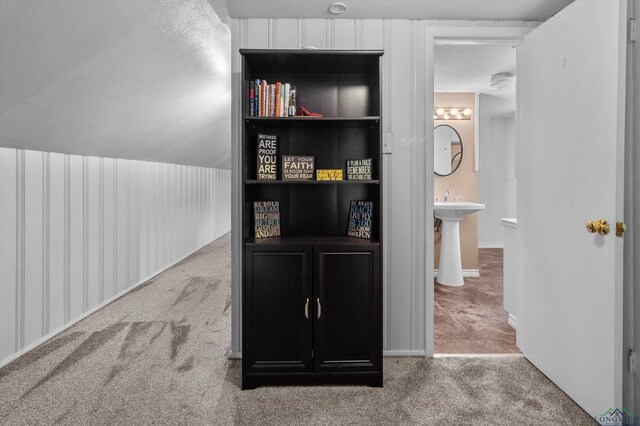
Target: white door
[[571, 97]]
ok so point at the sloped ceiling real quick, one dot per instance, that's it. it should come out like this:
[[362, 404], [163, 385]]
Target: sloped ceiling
[[526, 10], [140, 79]]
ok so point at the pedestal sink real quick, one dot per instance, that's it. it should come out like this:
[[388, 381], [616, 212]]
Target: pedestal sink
[[450, 267]]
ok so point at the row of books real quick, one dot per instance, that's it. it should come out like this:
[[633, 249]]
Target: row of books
[[272, 100], [266, 216]]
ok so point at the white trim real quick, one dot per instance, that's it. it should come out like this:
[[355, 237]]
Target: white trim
[[478, 355], [405, 353], [76, 320], [478, 42], [513, 322], [434, 33], [490, 245], [234, 355], [466, 273], [476, 123]]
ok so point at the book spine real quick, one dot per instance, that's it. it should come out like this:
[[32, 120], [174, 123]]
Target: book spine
[[282, 102], [256, 104], [272, 99], [278, 99], [263, 104], [285, 108], [252, 100]]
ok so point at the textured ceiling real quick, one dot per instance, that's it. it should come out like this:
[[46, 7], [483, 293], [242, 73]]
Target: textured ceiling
[[468, 69], [144, 79], [528, 10]]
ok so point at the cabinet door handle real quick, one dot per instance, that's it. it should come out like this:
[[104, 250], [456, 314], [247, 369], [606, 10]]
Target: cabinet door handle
[[319, 308], [306, 309]]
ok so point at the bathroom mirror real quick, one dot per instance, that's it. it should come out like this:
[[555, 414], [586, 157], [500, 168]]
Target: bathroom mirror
[[447, 150]]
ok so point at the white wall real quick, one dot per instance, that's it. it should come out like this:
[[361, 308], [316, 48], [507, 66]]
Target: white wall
[[496, 176], [408, 186], [76, 231]]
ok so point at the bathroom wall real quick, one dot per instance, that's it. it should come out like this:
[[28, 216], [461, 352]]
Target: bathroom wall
[[464, 182], [496, 176]]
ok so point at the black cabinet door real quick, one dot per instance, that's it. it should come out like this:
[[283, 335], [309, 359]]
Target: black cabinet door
[[347, 311], [277, 310]]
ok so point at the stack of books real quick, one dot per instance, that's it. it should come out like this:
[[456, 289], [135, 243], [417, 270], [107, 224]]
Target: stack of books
[[271, 100]]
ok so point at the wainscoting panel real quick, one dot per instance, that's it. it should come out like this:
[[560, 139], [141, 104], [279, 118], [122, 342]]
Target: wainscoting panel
[[76, 231]]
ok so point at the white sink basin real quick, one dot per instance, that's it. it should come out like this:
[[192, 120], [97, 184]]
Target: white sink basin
[[455, 210], [450, 267]]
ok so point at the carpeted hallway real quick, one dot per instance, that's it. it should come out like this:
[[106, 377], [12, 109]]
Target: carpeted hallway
[[157, 356]]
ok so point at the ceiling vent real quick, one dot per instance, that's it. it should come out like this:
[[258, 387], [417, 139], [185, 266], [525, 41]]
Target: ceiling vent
[[501, 81]]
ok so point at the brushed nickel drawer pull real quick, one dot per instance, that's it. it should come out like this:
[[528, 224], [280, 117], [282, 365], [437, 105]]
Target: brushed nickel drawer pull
[[319, 308], [306, 309]]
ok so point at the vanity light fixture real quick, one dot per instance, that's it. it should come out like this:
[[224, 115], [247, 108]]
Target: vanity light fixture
[[337, 8], [452, 113]]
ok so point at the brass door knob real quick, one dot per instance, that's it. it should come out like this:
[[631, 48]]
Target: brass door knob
[[600, 226], [621, 228], [593, 226]]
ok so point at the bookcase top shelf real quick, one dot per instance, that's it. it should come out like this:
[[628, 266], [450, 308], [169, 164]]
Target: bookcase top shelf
[[312, 182], [315, 62]]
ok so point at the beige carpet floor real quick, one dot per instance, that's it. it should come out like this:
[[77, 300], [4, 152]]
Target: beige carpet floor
[[157, 356]]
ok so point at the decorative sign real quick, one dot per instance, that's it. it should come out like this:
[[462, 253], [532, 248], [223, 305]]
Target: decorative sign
[[329, 174], [360, 217], [267, 218], [359, 169], [296, 167], [267, 156]]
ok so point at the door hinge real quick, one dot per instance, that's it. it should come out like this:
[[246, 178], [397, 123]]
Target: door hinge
[[633, 31], [632, 361]]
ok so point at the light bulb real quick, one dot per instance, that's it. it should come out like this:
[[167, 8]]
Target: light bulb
[[467, 112], [440, 111], [459, 116], [446, 116], [453, 111], [434, 116]]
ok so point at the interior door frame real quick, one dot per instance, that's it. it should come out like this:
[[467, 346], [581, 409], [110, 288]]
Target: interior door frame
[[437, 36], [479, 36], [631, 286]]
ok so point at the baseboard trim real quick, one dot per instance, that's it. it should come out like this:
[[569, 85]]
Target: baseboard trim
[[390, 353], [513, 322], [405, 353], [477, 355], [490, 245], [466, 273], [93, 310]]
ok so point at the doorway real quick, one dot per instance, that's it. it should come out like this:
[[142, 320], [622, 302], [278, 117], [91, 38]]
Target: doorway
[[474, 161]]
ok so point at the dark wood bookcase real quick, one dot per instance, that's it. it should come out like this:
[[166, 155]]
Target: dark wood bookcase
[[312, 298]]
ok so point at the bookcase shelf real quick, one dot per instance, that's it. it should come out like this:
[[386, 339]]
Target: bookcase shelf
[[306, 118], [314, 239], [312, 297], [312, 182]]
